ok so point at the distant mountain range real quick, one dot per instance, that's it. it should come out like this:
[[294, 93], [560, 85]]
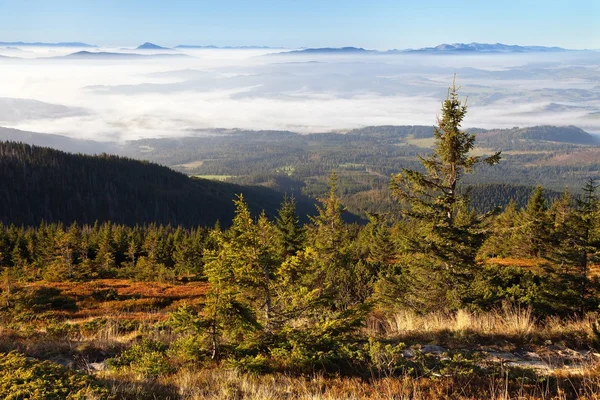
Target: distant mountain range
[[487, 48], [89, 55], [42, 44], [453, 48], [210, 46], [442, 48], [333, 50], [151, 46]]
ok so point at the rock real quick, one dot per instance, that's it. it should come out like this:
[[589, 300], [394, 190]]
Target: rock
[[532, 355], [408, 353], [433, 349], [65, 362], [97, 366], [504, 357], [533, 364]]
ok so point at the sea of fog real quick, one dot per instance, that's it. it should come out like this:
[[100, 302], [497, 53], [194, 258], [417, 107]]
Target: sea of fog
[[121, 98]]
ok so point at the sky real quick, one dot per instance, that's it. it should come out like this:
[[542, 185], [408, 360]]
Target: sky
[[376, 24]]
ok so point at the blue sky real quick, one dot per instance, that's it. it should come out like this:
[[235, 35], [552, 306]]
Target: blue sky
[[380, 24]]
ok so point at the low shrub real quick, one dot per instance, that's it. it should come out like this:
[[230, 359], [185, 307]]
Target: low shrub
[[25, 378], [147, 358]]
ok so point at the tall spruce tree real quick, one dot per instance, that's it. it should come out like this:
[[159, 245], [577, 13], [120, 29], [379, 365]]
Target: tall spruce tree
[[237, 280], [504, 235], [290, 234], [448, 235], [536, 225], [329, 238]]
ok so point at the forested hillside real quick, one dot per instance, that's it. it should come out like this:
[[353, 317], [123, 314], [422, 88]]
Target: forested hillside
[[365, 159], [42, 184]]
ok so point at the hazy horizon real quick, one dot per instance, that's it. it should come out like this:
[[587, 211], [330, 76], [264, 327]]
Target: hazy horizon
[[105, 99]]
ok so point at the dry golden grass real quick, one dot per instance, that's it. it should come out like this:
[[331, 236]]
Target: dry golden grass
[[516, 262], [594, 270], [510, 321], [223, 384], [534, 264], [512, 325]]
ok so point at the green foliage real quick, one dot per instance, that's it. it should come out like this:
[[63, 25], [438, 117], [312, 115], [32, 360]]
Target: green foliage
[[460, 364], [239, 271], [258, 364], [290, 234], [505, 237], [387, 359], [188, 350], [148, 359], [25, 378], [535, 231], [185, 320], [496, 285], [328, 343], [330, 238]]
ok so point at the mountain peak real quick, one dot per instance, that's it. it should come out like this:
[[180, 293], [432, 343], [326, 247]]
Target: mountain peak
[[151, 46]]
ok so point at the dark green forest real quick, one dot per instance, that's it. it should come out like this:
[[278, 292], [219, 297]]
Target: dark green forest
[[43, 184]]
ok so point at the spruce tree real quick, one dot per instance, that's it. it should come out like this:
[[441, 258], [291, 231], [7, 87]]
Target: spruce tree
[[231, 267], [504, 235], [443, 248], [329, 238], [381, 247], [246, 256], [536, 225], [290, 234]]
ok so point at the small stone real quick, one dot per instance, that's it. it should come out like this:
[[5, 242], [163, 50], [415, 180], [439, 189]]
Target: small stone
[[433, 349], [504, 356], [408, 353], [97, 366]]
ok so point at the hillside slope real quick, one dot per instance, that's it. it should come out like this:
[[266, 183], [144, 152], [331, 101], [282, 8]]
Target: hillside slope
[[38, 183]]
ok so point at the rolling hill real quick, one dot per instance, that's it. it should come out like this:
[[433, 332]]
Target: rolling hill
[[58, 142], [41, 184]]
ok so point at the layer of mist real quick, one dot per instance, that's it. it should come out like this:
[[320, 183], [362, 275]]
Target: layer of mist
[[118, 97]]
